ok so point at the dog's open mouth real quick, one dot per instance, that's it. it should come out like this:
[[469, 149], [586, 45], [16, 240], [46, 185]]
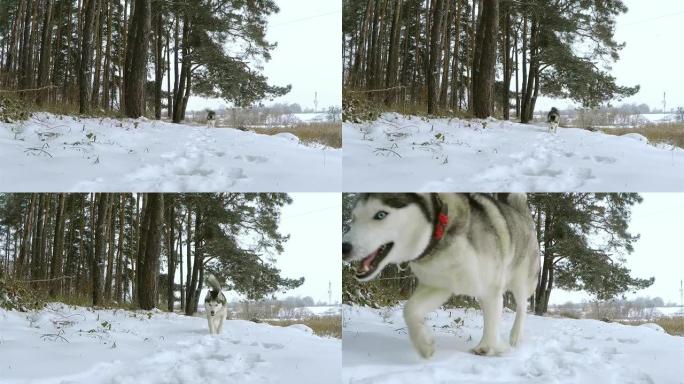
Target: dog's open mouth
[[370, 263]]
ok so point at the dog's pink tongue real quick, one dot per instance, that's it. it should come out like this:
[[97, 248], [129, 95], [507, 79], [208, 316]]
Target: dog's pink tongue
[[368, 260]]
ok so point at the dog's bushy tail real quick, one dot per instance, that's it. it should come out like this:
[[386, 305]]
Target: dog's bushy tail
[[213, 282]]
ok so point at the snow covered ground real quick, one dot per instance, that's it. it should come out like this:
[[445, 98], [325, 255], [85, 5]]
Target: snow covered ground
[[68, 345], [660, 117], [311, 117], [63, 153], [397, 153], [376, 349], [324, 310]]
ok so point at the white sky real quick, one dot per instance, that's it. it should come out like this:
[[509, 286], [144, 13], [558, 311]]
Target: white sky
[[652, 57], [657, 253], [308, 55], [313, 250]]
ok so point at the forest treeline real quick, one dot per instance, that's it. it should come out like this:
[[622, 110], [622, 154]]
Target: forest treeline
[[97, 54], [485, 57], [583, 241], [122, 248]]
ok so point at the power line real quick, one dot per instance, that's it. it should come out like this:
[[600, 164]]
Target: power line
[[653, 18], [304, 18], [310, 212]]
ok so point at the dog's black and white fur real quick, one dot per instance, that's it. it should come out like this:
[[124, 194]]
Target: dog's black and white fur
[[553, 118], [211, 119], [215, 305]]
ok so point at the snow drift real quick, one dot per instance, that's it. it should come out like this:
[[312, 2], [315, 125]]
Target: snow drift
[[62, 344], [409, 153], [71, 154], [377, 349]]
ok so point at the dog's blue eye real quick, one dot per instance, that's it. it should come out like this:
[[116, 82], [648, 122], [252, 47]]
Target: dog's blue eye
[[380, 215]]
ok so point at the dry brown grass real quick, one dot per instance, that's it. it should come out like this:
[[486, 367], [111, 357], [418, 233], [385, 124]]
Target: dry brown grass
[[326, 326], [670, 133], [570, 314], [672, 325], [329, 134]]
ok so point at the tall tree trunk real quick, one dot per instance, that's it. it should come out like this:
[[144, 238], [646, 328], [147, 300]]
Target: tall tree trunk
[[58, 249], [11, 52], [180, 262], [110, 249], [170, 227], [36, 248], [119, 251], [98, 28], [149, 258], [198, 290], [169, 95], [393, 59], [86, 57], [547, 265], [106, 80], [188, 254], [144, 224], [446, 48], [517, 80], [135, 76], [100, 247], [197, 264], [455, 71], [25, 49], [186, 95], [124, 56], [433, 66], [159, 63], [43, 66], [26, 238], [506, 58], [484, 69], [81, 241], [184, 72]]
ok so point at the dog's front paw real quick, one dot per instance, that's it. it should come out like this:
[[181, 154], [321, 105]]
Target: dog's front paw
[[484, 349], [423, 342]]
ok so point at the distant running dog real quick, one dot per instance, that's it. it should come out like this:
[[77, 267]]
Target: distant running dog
[[211, 119], [553, 118], [480, 245], [215, 305]]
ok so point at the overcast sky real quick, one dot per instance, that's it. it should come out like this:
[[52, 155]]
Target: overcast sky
[[308, 56], [652, 57], [313, 221], [658, 253]]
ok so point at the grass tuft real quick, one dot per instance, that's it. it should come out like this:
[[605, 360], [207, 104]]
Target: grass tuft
[[329, 134], [672, 325], [325, 326], [668, 133]]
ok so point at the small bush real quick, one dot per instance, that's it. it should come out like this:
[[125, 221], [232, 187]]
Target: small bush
[[356, 109], [12, 109], [16, 295], [570, 314], [325, 326]]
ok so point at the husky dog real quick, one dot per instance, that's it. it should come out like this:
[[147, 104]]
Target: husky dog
[[553, 118], [473, 244], [211, 119], [215, 305]]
